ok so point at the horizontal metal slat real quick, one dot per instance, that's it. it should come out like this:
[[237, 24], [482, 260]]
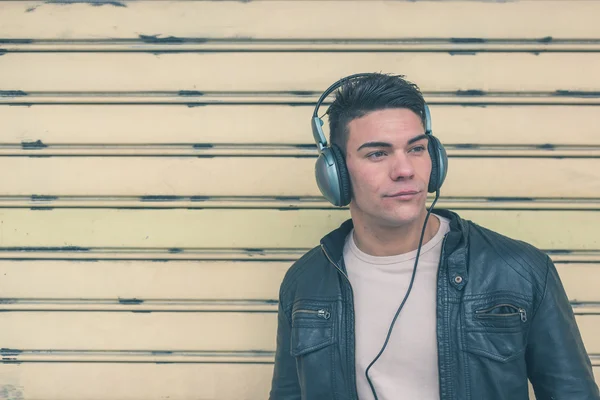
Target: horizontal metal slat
[[153, 305], [304, 150], [179, 285], [137, 125], [255, 229], [74, 381], [213, 72], [136, 357], [74, 253], [176, 306], [154, 357], [211, 331], [148, 381], [300, 19], [197, 178], [208, 331], [160, 44], [279, 203], [191, 98]]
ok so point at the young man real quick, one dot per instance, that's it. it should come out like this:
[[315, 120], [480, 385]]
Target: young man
[[402, 303]]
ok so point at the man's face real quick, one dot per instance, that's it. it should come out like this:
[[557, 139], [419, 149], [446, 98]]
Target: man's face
[[389, 166]]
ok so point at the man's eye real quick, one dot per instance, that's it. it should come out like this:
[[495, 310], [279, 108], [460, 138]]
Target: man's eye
[[418, 149], [376, 154]]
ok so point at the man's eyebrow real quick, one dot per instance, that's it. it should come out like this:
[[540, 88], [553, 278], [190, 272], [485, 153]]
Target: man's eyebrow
[[385, 144], [374, 144], [416, 139]]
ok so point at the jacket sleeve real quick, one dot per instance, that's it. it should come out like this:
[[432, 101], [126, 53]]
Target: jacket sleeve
[[557, 362], [285, 384]]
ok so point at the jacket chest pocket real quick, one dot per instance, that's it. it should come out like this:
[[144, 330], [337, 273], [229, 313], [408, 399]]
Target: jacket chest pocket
[[496, 326], [312, 327], [502, 315], [312, 338]]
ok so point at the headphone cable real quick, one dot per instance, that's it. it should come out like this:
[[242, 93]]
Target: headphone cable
[[437, 194]]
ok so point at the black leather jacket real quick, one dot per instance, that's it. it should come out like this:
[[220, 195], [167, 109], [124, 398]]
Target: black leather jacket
[[482, 355]]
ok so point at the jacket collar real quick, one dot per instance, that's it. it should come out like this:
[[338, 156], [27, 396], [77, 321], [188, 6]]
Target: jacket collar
[[456, 241]]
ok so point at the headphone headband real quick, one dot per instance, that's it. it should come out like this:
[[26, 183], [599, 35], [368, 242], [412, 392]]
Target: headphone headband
[[316, 122]]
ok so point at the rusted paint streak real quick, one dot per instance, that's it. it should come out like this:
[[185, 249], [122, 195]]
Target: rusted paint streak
[[130, 301], [304, 146], [190, 93], [576, 93], [258, 252], [12, 93], [462, 53], [10, 352], [16, 41], [37, 197], [161, 198], [559, 252], [37, 145], [546, 146], [155, 39], [288, 198], [300, 93], [161, 352], [95, 3], [467, 40], [52, 249], [471, 92], [503, 199]]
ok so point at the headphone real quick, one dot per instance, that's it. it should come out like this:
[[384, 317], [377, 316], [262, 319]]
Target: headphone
[[331, 172]]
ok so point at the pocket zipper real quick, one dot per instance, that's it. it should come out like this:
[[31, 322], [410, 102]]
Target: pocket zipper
[[484, 313], [319, 313]]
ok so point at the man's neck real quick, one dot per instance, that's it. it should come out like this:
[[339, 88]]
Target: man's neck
[[381, 241]]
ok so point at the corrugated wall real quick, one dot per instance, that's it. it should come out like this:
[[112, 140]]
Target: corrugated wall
[[156, 170]]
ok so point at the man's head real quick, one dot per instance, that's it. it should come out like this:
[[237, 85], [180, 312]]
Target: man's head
[[378, 122]]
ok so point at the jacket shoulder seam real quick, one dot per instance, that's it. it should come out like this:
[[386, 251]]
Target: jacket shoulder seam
[[296, 270], [510, 244]]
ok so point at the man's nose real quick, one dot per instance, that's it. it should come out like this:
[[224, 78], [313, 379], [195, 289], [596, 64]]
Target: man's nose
[[402, 167]]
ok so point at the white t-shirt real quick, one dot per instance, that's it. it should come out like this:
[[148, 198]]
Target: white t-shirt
[[408, 368]]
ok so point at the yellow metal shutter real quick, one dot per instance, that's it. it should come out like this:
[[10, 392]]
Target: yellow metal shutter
[[157, 163]]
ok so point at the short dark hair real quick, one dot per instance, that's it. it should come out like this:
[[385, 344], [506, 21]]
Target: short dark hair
[[361, 96]]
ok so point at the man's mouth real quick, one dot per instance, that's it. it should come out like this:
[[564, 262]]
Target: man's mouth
[[404, 194]]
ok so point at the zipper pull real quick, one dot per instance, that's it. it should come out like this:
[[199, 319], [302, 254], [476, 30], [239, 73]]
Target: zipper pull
[[523, 314], [324, 314]]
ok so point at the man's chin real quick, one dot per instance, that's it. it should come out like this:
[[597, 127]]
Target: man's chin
[[397, 220], [396, 216]]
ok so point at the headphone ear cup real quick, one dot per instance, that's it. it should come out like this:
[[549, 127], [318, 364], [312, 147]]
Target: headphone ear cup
[[332, 176], [439, 164], [344, 176]]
